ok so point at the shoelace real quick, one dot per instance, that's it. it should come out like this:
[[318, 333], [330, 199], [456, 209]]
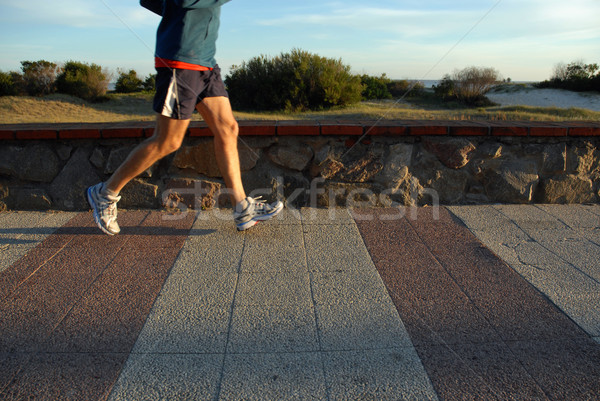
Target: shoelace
[[259, 203]]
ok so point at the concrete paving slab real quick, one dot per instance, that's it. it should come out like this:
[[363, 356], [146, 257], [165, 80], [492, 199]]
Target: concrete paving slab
[[360, 324], [575, 216], [565, 369], [481, 217], [268, 376], [335, 248], [274, 288], [168, 377], [583, 255], [381, 374], [51, 376], [485, 371], [273, 328], [531, 217], [347, 286], [330, 216]]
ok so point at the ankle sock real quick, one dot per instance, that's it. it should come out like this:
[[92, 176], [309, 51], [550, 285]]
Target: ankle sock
[[105, 191]]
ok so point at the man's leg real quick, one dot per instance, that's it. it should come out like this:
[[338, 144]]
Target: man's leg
[[217, 113], [167, 138], [103, 197]]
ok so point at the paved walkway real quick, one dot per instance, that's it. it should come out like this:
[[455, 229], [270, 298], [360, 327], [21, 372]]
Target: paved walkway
[[473, 302]]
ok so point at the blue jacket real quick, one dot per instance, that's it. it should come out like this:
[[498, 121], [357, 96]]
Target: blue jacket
[[188, 30]]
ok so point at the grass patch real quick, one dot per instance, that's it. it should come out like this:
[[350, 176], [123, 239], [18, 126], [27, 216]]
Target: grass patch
[[138, 107]]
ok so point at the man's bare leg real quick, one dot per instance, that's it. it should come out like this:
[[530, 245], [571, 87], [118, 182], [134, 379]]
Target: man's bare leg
[[217, 113], [167, 138]]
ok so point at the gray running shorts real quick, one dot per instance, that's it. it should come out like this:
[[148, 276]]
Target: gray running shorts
[[179, 91]]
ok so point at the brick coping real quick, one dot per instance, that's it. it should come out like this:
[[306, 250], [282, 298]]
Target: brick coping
[[121, 130]]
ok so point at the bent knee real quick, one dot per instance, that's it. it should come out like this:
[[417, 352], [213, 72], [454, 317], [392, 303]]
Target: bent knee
[[165, 148]]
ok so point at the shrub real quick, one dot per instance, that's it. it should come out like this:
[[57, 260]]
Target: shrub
[[445, 89], [405, 88], [375, 87], [85, 81], [150, 83], [39, 77], [7, 85], [292, 81], [575, 76], [128, 82], [468, 85]]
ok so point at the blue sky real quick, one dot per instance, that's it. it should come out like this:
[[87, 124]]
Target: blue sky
[[522, 39]]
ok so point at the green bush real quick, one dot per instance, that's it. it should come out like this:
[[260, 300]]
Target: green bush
[[39, 77], [575, 76], [86, 81], [405, 88], [375, 87], [150, 83], [445, 88], [128, 82], [7, 86], [292, 81]]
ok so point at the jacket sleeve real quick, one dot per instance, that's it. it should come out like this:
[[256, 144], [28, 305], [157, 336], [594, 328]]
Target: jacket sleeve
[[200, 3], [156, 6]]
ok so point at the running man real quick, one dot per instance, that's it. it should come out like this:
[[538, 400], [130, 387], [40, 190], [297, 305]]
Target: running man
[[188, 78]]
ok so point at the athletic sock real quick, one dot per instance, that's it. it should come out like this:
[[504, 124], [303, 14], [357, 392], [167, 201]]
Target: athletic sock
[[107, 192]]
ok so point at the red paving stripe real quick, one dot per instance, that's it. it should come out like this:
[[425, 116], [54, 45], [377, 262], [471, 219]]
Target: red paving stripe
[[68, 328], [480, 329]]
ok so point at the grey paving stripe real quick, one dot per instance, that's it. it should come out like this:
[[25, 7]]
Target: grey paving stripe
[[72, 341], [280, 311], [477, 325]]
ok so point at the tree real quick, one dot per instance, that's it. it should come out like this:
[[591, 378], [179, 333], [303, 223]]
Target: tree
[[40, 77]]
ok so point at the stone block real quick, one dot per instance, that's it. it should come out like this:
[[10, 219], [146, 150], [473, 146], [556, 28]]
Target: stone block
[[514, 181], [190, 193], [118, 156], [357, 195], [37, 162], [396, 166], [202, 160], [453, 153], [295, 157], [139, 194], [68, 188], [567, 189], [28, 199]]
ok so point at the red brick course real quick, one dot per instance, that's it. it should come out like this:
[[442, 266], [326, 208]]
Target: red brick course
[[313, 128]]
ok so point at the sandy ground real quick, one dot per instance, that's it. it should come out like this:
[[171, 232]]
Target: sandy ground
[[546, 98]]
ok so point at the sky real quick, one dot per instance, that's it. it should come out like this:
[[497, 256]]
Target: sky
[[405, 39]]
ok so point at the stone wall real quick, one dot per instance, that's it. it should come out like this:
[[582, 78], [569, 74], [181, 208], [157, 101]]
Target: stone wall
[[312, 164]]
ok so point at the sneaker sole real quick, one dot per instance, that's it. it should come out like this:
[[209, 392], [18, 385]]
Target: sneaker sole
[[252, 223], [96, 216]]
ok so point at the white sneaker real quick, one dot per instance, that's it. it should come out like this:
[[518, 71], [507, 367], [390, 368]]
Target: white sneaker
[[104, 208], [252, 210]]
